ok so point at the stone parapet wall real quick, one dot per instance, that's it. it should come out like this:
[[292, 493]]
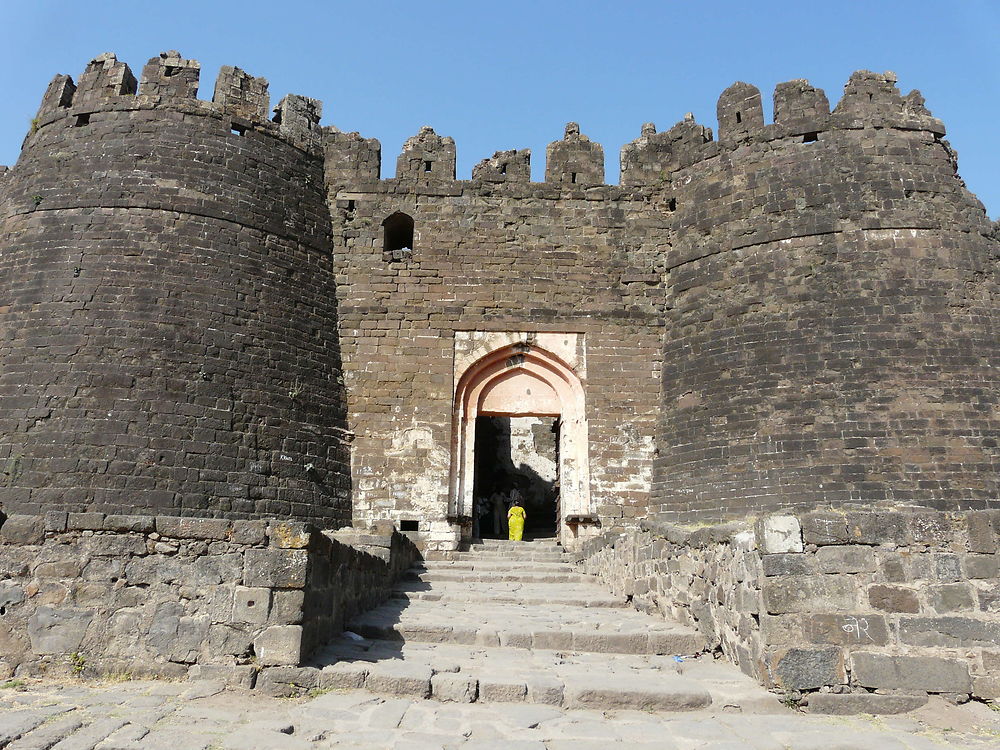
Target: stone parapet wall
[[854, 604], [145, 594]]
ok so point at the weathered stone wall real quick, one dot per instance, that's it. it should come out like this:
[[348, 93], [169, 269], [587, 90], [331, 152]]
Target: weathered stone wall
[[167, 304], [797, 312], [494, 254], [145, 594], [848, 604], [832, 294]]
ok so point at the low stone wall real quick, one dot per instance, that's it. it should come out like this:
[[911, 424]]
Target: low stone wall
[[155, 595], [855, 610]]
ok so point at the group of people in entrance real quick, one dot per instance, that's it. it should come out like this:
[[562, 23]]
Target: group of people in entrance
[[501, 514]]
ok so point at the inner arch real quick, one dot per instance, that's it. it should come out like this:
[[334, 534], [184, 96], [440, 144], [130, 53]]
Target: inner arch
[[519, 393], [522, 380]]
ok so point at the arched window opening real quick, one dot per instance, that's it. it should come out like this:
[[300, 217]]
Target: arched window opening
[[397, 240]]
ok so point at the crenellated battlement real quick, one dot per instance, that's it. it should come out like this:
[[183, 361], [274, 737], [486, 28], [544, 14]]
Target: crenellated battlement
[[505, 166], [169, 75], [801, 112], [170, 81], [654, 156], [427, 156], [800, 108], [575, 160]]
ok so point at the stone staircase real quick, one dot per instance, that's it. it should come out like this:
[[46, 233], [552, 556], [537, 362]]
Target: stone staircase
[[516, 622]]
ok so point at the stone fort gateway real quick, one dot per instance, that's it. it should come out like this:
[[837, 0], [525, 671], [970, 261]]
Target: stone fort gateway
[[247, 381]]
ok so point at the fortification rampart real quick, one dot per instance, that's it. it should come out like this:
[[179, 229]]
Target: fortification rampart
[[830, 334], [829, 291], [168, 304], [799, 311]]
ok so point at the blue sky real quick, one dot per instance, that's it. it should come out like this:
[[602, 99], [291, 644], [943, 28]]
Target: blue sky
[[510, 74]]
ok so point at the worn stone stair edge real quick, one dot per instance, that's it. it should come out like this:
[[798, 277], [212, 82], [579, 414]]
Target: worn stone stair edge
[[498, 565], [431, 596], [653, 642], [420, 681], [437, 575]]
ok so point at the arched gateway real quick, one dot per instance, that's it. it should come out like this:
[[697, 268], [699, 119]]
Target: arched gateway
[[523, 380]]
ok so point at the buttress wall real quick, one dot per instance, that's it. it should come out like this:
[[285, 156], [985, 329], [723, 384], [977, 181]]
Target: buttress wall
[[832, 289], [167, 304]]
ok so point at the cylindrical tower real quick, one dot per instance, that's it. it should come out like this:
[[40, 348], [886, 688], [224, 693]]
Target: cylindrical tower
[[833, 328], [167, 310]]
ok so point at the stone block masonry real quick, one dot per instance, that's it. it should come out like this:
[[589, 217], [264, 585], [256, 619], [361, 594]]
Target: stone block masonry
[[217, 326], [206, 312], [844, 604], [505, 261], [158, 595], [167, 304]]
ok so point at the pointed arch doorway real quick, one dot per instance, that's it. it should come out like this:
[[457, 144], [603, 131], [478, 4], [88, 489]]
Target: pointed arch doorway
[[514, 381]]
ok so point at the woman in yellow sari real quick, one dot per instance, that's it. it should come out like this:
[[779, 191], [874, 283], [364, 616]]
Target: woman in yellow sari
[[515, 521]]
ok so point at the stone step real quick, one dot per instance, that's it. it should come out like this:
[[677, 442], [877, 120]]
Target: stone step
[[440, 555], [431, 576], [509, 592], [448, 672], [516, 548], [500, 555], [508, 598], [496, 566], [582, 637]]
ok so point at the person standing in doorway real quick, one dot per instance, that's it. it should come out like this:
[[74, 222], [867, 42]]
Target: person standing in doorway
[[477, 516], [499, 514], [515, 521]]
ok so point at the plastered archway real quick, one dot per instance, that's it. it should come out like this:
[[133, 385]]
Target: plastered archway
[[521, 380]]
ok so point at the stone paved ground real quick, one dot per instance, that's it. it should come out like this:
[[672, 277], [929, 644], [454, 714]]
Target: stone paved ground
[[70, 715]]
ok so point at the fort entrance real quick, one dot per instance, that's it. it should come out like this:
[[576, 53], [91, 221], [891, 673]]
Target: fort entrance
[[519, 423], [516, 455]]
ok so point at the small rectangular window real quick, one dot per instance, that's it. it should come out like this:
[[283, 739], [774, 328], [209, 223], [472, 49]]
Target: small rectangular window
[[409, 525], [572, 177], [82, 121], [237, 129], [810, 137], [427, 166]]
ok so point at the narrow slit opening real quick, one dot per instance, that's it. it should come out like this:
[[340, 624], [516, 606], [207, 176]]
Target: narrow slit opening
[[739, 117], [572, 177], [428, 165]]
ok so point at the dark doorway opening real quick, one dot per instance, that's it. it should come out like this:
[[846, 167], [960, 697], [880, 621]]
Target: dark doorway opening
[[522, 454]]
